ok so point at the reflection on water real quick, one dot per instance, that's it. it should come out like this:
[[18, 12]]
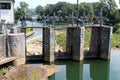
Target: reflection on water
[[89, 69], [99, 70]]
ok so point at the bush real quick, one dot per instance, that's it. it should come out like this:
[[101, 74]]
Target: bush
[[28, 30], [116, 28], [61, 40], [5, 70], [116, 40]]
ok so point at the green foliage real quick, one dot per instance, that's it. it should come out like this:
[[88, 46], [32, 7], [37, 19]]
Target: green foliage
[[109, 9], [116, 40], [87, 37], [5, 70], [116, 28], [61, 8], [61, 23], [39, 10], [49, 9], [23, 5], [61, 40], [21, 11], [87, 8], [28, 30]]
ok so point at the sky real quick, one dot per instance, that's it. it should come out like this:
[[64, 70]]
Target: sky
[[34, 3]]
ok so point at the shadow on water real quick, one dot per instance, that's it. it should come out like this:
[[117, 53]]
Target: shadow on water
[[87, 70], [99, 70]]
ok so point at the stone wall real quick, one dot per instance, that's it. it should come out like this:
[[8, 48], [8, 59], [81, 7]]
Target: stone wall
[[17, 44], [48, 43], [75, 42], [2, 46], [100, 45], [17, 47]]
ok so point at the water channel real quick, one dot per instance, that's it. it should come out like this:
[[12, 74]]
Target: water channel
[[87, 69]]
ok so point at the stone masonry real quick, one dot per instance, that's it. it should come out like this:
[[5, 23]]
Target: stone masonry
[[17, 47], [48, 44], [100, 45], [75, 42], [2, 46]]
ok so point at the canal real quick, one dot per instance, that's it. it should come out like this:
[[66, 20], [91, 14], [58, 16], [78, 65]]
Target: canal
[[87, 69]]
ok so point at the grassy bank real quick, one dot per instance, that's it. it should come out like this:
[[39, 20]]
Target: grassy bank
[[61, 39], [28, 30]]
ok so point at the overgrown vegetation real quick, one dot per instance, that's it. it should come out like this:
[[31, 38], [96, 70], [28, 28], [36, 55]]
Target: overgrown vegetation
[[62, 10], [87, 37], [61, 38], [116, 40], [5, 70], [28, 30], [116, 36]]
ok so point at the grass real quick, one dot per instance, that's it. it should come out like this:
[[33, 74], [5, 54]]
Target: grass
[[61, 39], [116, 40], [61, 23], [5, 70], [28, 30], [87, 38]]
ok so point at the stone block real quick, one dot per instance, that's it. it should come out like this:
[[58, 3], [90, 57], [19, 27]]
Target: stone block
[[2, 46], [75, 42], [100, 45], [48, 44], [17, 44]]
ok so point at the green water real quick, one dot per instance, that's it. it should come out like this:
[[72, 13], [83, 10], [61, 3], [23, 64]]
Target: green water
[[89, 69]]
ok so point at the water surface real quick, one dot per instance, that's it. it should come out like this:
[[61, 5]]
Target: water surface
[[88, 69]]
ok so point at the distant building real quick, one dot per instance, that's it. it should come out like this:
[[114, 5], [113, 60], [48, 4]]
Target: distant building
[[7, 11]]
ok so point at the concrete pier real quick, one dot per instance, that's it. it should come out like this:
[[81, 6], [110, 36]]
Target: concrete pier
[[48, 44], [75, 42], [100, 44], [17, 47]]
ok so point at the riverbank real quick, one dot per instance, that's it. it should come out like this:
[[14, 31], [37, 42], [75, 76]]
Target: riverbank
[[61, 39], [34, 46], [29, 34], [30, 72]]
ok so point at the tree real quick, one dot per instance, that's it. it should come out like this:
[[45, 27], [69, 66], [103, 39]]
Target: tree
[[23, 7], [87, 8], [71, 9], [61, 8], [39, 10], [49, 9], [108, 7], [21, 11], [96, 8]]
